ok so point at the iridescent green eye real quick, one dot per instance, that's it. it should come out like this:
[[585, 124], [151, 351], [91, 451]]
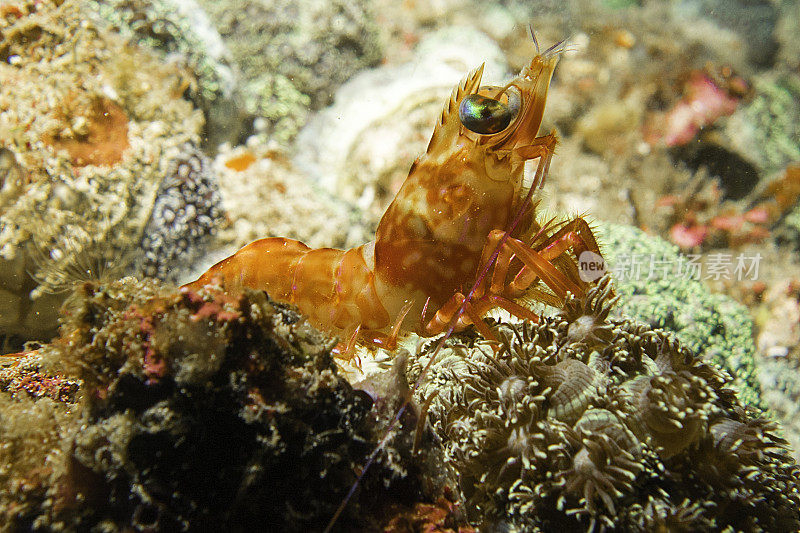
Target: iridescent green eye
[[485, 115]]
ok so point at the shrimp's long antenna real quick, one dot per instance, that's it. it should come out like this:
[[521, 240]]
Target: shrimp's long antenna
[[533, 37]]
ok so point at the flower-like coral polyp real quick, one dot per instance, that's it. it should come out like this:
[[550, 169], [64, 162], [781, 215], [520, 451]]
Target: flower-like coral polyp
[[584, 422]]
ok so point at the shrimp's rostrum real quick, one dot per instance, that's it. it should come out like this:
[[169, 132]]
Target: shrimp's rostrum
[[463, 205]]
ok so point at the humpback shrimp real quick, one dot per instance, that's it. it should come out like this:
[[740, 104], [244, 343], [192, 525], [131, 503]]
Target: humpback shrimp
[[460, 238]]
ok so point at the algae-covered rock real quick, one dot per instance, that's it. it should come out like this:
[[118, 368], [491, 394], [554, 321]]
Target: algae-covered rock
[[767, 129], [196, 411], [714, 326], [98, 159], [586, 422], [293, 56], [179, 31]]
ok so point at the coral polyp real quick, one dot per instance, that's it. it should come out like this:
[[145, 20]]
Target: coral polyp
[[619, 427], [605, 466]]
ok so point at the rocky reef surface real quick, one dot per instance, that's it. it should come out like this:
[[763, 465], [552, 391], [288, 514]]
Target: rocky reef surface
[[100, 167], [158, 409], [164, 410]]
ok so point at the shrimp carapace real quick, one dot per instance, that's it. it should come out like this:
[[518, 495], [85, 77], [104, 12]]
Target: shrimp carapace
[[463, 205]]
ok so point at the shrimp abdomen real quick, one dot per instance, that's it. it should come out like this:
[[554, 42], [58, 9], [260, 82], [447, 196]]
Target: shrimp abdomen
[[334, 288]]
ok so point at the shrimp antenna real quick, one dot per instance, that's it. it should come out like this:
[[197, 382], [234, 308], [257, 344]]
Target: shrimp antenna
[[533, 37], [561, 47], [556, 48]]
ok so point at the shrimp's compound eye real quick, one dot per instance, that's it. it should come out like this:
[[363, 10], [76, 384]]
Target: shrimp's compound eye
[[485, 115]]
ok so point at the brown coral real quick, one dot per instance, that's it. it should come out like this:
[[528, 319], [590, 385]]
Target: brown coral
[[617, 427], [587, 317], [608, 461], [668, 409]]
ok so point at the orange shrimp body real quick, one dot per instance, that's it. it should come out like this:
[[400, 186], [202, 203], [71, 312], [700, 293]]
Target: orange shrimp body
[[432, 239]]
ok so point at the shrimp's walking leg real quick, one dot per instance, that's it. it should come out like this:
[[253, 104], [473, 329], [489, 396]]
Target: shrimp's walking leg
[[541, 148], [576, 235], [441, 320], [538, 264], [375, 339]]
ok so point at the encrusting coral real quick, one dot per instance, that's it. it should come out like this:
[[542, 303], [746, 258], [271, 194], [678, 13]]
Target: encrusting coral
[[180, 32], [583, 421], [292, 57]]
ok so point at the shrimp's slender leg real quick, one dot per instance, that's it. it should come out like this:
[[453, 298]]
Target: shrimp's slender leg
[[576, 235], [542, 148], [348, 351], [472, 315], [384, 340], [538, 264]]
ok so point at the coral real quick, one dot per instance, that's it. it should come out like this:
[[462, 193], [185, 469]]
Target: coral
[[31, 431], [699, 218], [780, 382], [275, 98], [789, 231], [623, 429], [180, 31], [714, 326], [779, 202], [89, 126], [789, 52], [767, 130], [25, 376], [428, 518], [203, 410], [97, 133], [781, 195], [753, 21], [292, 57], [186, 211], [265, 194], [661, 514]]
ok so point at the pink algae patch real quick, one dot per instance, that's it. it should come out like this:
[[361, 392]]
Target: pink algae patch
[[687, 236], [702, 104]]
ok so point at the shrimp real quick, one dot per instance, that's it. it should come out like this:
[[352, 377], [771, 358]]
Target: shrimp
[[464, 206]]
